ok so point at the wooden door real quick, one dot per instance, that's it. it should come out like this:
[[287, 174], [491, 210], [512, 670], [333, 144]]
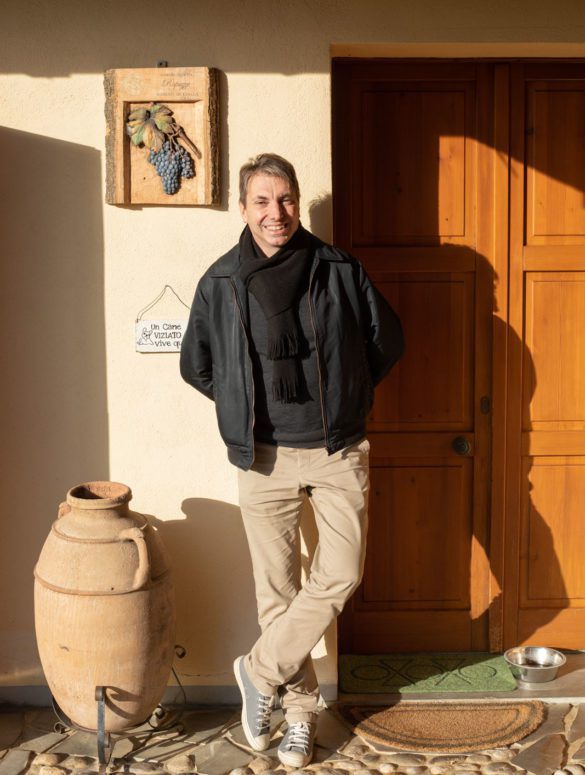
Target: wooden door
[[545, 494], [413, 199], [461, 188]]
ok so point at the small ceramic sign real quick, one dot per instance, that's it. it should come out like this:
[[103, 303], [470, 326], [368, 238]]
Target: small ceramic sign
[[159, 336]]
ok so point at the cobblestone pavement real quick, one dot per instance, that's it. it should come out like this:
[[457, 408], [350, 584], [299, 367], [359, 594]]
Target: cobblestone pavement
[[211, 742]]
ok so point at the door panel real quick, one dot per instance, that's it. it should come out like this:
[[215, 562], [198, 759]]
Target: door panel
[[555, 351], [555, 168], [553, 506], [406, 153], [394, 200], [437, 310], [406, 571]]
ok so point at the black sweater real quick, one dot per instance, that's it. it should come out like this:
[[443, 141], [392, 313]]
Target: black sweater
[[297, 424]]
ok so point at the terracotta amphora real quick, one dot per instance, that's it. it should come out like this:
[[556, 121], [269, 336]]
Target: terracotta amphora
[[104, 608]]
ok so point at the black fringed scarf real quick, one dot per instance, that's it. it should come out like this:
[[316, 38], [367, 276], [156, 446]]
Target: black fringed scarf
[[278, 283]]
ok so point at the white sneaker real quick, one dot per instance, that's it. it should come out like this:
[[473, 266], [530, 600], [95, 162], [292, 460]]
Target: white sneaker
[[296, 747], [256, 709]]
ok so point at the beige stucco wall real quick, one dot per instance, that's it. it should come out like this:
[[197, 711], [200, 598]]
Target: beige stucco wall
[[78, 402]]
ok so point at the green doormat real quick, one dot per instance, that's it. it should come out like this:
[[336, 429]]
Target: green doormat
[[409, 673]]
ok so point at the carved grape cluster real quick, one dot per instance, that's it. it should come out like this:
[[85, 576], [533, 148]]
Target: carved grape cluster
[[155, 128]]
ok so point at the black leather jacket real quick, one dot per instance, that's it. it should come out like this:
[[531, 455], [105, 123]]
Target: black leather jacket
[[358, 339]]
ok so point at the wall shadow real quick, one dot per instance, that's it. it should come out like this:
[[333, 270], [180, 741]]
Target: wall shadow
[[206, 548], [320, 216], [53, 411]]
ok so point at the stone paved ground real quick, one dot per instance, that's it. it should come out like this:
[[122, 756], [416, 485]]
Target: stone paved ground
[[211, 742]]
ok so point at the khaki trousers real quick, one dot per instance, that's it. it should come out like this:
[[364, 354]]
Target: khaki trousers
[[293, 617]]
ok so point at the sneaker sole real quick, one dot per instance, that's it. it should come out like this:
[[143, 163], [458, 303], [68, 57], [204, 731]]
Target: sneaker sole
[[290, 761], [249, 736]]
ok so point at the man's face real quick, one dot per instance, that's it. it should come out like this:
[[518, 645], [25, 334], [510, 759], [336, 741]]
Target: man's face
[[271, 211]]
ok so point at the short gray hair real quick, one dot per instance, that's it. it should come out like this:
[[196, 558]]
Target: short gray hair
[[268, 164]]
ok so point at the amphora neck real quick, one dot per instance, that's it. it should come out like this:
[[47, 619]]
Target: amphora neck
[[109, 498]]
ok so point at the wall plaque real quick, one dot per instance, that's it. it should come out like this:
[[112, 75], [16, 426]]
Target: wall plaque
[[161, 334], [162, 136]]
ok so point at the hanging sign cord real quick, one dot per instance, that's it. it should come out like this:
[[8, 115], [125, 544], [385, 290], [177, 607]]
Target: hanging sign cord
[[158, 298]]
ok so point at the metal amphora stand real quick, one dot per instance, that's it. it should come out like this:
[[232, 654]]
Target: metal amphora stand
[[103, 737]]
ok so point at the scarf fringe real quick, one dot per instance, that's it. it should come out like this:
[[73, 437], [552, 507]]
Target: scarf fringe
[[278, 283], [286, 345], [284, 390]]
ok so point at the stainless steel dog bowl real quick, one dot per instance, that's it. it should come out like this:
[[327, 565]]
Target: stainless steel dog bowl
[[534, 664]]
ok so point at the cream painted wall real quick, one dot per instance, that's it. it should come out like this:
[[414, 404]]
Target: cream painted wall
[[78, 402]]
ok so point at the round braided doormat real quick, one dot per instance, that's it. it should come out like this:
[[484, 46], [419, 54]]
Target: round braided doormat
[[445, 726]]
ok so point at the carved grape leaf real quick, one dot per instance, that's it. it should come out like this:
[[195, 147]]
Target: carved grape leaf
[[139, 114]]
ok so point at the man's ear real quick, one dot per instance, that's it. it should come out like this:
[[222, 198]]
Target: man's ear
[[243, 212]]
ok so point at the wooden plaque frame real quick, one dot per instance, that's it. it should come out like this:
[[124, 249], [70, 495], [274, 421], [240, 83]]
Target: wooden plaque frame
[[192, 94]]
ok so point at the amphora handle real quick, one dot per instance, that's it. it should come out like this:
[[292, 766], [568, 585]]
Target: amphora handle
[[142, 574], [64, 508]]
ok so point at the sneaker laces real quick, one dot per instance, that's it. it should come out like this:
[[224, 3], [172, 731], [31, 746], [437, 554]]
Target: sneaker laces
[[299, 736], [263, 711]]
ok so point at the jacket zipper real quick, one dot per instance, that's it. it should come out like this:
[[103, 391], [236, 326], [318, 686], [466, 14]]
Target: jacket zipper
[[317, 345], [239, 306]]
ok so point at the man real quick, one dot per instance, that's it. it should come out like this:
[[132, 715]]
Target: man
[[289, 337]]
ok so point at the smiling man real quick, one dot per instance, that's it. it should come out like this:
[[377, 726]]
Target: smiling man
[[271, 210], [289, 337]]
